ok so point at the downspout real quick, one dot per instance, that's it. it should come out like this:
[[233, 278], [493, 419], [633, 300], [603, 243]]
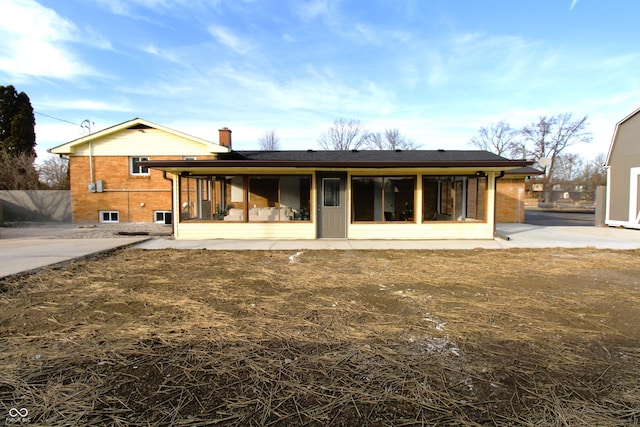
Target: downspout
[[173, 217], [495, 207], [91, 161]]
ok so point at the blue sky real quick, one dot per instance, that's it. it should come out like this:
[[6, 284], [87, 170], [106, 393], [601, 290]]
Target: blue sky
[[436, 70]]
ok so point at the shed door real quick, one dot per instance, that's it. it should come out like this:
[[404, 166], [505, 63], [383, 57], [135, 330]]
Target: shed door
[[332, 206]]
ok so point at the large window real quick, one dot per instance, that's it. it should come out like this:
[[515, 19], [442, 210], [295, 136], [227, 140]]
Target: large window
[[383, 199], [242, 198], [454, 198]]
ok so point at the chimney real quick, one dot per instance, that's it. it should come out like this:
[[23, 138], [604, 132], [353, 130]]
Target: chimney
[[225, 137]]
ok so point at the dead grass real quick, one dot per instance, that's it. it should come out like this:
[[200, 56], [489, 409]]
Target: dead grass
[[517, 337]]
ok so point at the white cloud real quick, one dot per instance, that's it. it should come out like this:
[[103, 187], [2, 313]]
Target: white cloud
[[82, 105], [226, 37], [32, 39], [313, 9], [125, 7], [573, 4]]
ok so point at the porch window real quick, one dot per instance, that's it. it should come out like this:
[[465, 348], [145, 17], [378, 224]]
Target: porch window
[[454, 198], [383, 199], [279, 198], [242, 198]]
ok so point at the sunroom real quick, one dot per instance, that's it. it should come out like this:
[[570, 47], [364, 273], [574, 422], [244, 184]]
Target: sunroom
[[343, 195]]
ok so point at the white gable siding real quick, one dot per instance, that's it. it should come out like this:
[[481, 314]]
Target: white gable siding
[[145, 142]]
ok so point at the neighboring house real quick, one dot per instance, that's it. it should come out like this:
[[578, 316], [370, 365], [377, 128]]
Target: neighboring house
[[141, 172], [623, 174], [108, 182]]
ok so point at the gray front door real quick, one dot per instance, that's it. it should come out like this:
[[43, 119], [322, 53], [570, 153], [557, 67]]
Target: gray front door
[[332, 206]]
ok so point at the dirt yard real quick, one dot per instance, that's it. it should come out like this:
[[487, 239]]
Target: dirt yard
[[513, 337]]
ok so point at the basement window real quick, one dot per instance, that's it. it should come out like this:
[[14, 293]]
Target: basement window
[[109, 217], [162, 217]]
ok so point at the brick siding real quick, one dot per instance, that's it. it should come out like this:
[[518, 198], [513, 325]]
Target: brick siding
[[134, 197], [510, 200]]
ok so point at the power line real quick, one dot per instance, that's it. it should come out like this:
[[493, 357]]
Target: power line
[[56, 118]]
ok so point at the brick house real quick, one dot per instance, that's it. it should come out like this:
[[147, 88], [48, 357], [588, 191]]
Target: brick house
[[108, 184], [142, 172]]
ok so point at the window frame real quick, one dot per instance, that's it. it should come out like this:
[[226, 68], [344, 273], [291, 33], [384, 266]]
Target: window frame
[[405, 216], [110, 220], [337, 202], [142, 170], [164, 216], [275, 196], [451, 198]]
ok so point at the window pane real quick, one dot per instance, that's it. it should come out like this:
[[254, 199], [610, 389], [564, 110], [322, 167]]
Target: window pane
[[383, 199], [108, 216], [399, 193], [295, 196], [262, 198], [136, 169], [331, 192], [367, 198], [454, 198]]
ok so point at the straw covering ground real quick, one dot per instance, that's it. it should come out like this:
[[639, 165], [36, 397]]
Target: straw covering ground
[[514, 337]]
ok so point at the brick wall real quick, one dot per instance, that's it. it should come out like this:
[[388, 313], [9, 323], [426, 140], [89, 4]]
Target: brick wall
[[134, 197], [510, 200]]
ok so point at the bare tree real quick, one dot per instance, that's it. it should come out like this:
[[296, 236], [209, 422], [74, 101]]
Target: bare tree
[[568, 167], [391, 140], [499, 138], [549, 137], [593, 172], [54, 173], [269, 141], [344, 135], [17, 171]]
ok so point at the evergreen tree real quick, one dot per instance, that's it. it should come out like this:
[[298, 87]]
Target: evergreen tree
[[17, 123]]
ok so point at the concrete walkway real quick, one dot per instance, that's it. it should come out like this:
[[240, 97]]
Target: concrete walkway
[[30, 248], [27, 249], [516, 236]]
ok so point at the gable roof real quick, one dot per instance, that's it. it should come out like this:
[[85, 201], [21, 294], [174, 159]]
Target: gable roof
[[615, 134], [136, 123], [346, 159]]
